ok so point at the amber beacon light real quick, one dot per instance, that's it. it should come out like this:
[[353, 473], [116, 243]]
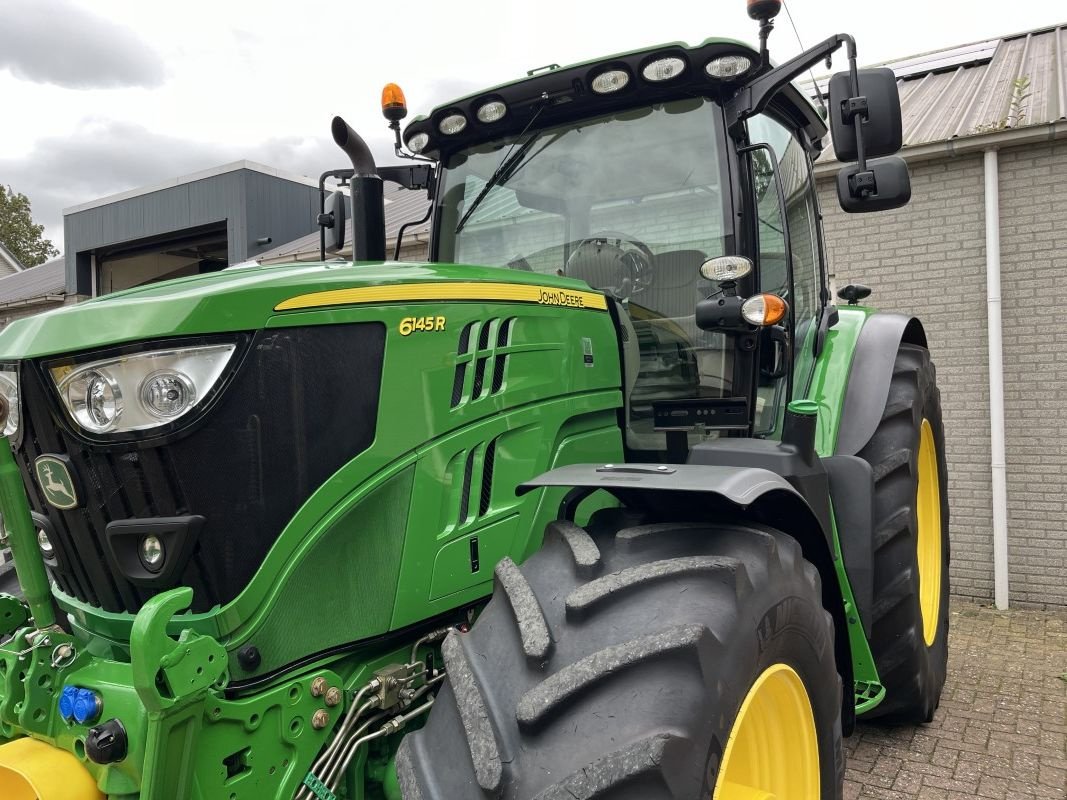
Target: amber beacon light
[[394, 106]]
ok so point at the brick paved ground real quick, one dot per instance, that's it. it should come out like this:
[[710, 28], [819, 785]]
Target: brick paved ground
[[1001, 731]]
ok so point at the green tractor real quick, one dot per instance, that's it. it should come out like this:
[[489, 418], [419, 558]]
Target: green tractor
[[630, 510]]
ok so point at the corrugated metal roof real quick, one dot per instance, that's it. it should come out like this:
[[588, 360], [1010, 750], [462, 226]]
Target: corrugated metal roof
[[50, 278], [8, 259], [968, 90], [401, 206]]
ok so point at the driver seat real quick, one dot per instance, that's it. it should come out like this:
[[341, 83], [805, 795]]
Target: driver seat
[[675, 287]]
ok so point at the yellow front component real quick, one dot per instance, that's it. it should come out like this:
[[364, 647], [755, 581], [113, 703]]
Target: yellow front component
[[33, 770]]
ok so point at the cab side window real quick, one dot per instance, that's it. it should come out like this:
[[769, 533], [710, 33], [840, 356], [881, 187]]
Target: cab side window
[[794, 170]]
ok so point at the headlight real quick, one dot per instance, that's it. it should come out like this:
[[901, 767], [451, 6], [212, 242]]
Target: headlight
[[663, 69], [418, 141], [9, 388], [728, 67], [613, 80], [140, 390]]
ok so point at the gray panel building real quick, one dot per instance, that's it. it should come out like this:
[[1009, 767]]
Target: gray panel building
[[192, 224]]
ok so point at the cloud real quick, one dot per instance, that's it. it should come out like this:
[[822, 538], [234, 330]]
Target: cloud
[[104, 157], [54, 41], [445, 90]]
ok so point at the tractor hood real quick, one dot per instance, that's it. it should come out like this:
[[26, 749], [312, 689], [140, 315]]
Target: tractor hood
[[244, 299]]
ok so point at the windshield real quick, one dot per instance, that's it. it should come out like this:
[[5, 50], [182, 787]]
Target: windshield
[[631, 203], [650, 173]]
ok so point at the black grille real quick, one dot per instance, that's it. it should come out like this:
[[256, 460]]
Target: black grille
[[302, 404]]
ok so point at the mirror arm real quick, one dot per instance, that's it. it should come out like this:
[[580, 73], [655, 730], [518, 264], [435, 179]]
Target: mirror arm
[[342, 175], [863, 182], [857, 103], [414, 176], [754, 97]]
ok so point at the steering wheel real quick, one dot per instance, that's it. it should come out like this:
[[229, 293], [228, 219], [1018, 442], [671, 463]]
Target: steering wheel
[[613, 262]]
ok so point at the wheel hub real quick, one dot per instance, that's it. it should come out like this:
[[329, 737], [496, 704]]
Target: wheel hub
[[773, 749], [928, 540]]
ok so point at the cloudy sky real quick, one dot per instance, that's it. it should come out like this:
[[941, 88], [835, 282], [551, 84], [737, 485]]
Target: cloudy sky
[[100, 96]]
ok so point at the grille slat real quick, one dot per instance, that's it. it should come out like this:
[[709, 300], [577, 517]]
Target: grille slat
[[479, 379], [498, 373], [465, 494], [457, 383], [487, 479], [465, 337]]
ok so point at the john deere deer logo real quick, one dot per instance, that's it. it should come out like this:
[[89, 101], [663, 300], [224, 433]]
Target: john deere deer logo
[[56, 482]]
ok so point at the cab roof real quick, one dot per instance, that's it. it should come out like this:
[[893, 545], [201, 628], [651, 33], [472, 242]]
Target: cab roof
[[559, 94]]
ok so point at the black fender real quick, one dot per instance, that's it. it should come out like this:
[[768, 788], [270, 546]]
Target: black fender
[[869, 377], [694, 492]]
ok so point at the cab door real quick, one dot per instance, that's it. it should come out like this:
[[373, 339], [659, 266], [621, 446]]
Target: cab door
[[785, 358]]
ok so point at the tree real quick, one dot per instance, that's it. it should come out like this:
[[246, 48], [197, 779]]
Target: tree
[[18, 233]]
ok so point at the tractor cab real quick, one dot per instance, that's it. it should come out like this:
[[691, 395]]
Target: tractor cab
[[676, 180], [634, 203]]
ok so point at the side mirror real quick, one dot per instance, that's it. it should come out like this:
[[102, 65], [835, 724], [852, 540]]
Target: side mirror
[[333, 220], [886, 184], [882, 132]]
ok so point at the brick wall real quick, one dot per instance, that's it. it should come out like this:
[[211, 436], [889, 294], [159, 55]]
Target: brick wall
[[1033, 254], [928, 258]]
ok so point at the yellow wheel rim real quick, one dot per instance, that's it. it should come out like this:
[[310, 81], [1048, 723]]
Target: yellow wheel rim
[[773, 750], [928, 541]]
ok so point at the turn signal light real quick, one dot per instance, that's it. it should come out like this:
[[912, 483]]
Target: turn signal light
[[764, 309], [394, 106]]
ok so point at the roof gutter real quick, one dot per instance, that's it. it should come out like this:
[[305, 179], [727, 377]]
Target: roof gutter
[[965, 145], [33, 301]]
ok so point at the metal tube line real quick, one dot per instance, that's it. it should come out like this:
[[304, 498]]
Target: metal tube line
[[355, 711], [392, 726], [331, 776]]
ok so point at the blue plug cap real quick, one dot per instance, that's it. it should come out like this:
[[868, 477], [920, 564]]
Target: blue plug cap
[[66, 701], [87, 707]]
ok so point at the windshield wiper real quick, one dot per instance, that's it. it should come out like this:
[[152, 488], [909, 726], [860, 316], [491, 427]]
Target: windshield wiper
[[504, 169]]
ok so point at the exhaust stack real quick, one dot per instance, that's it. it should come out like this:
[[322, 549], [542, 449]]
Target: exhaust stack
[[368, 205]]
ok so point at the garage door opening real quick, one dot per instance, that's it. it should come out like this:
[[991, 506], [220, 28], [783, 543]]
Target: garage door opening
[[150, 261]]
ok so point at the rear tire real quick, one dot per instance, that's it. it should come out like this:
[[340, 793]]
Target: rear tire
[[911, 668], [614, 663]]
